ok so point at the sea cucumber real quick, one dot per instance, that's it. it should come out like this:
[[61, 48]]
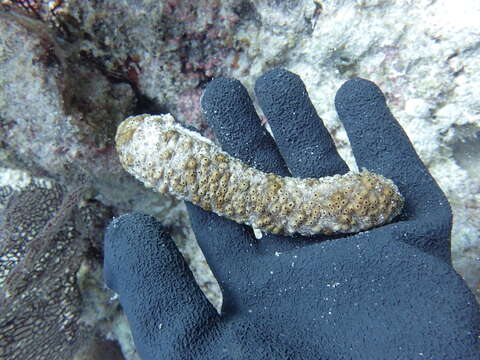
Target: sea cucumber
[[172, 159]]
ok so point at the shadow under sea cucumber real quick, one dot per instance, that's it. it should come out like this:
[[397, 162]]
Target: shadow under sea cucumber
[[172, 159]]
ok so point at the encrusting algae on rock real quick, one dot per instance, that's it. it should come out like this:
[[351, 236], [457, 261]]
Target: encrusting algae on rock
[[172, 159]]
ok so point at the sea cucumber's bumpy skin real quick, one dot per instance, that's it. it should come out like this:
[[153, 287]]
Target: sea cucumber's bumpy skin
[[171, 159]]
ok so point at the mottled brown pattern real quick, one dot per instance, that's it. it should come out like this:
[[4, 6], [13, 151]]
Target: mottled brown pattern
[[171, 159]]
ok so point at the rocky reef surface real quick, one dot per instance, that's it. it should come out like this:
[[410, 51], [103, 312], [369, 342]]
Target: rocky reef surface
[[71, 70]]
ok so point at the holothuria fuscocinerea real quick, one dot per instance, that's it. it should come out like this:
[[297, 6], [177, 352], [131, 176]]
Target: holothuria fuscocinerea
[[171, 159]]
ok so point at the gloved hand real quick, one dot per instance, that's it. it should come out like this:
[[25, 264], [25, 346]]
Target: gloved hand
[[387, 293]]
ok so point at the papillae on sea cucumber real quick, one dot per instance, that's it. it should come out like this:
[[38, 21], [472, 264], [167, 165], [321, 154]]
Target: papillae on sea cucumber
[[172, 159]]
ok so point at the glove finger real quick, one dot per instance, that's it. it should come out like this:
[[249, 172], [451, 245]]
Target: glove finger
[[380, 144], [302, 139], [230, 112], [155, 286]]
